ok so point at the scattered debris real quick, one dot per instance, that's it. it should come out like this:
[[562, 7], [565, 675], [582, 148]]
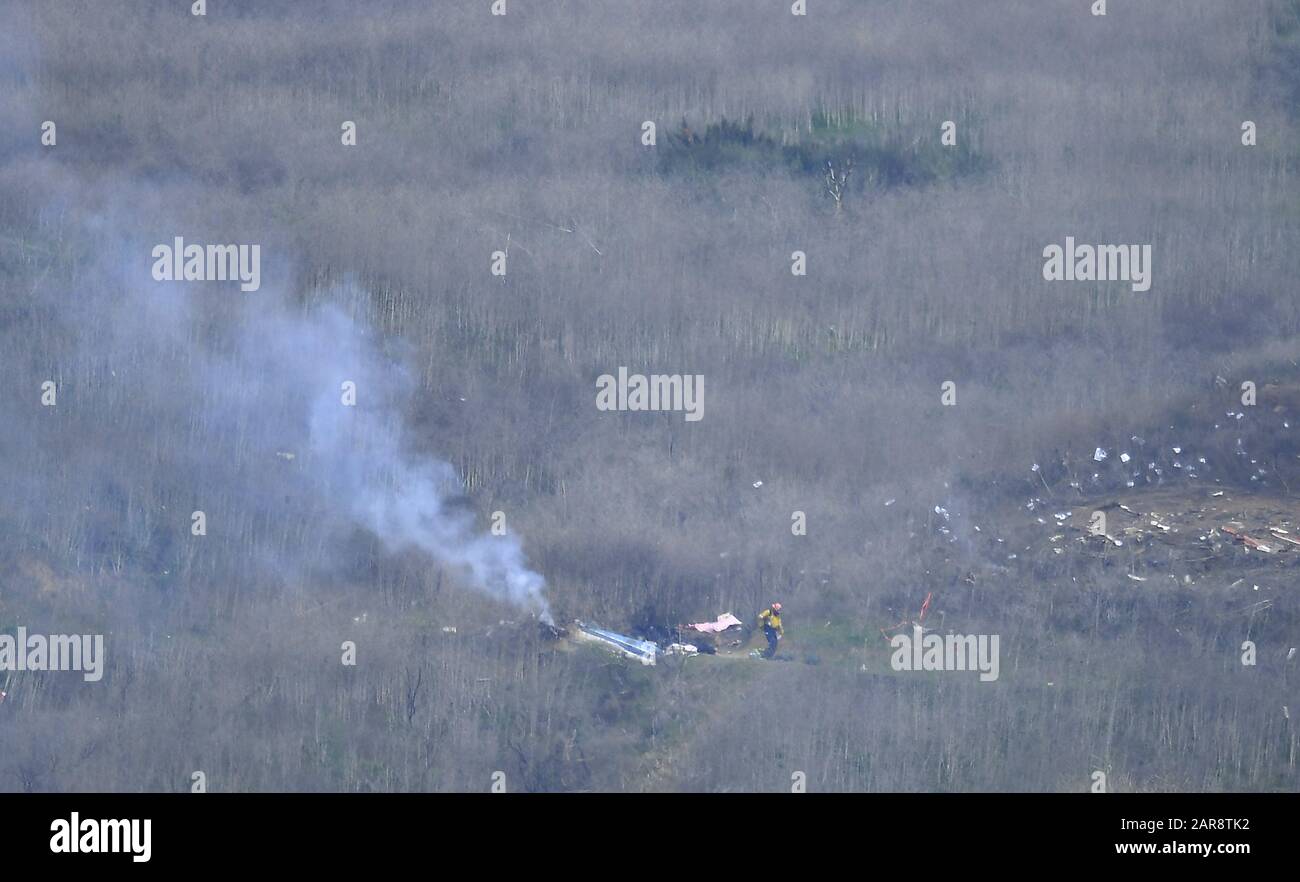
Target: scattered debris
[[549, 631], [1248, 541], [920, 618], [1281, 534]]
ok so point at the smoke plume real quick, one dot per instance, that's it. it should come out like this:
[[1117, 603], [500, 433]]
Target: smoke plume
[[284, 419]]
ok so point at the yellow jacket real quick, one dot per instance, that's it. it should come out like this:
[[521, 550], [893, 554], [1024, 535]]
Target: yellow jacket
[[772, 620]]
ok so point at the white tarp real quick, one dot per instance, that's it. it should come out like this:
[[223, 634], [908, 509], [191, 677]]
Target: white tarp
[[722, 623]]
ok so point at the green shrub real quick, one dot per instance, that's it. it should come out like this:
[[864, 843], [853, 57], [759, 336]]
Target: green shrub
[[880, 156]]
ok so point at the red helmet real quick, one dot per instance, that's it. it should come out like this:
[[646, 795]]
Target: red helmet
[[776, 607]]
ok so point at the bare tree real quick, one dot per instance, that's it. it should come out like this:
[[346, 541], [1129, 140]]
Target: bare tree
[[837, 181]]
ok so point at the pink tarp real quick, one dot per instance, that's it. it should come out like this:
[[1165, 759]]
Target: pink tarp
[[724, 621]]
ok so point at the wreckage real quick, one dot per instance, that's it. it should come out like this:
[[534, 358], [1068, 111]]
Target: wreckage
[[629, 647], [687, 640]]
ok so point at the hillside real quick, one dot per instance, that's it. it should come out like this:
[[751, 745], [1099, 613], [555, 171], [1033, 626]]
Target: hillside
[[499, 236]]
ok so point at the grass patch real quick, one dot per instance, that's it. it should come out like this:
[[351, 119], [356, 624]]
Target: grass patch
[[877, 155], [1283, 65]]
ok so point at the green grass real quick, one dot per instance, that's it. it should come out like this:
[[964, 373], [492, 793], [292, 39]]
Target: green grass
[[882, 155]]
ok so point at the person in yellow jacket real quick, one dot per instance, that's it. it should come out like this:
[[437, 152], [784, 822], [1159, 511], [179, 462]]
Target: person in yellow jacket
[[770, 619]]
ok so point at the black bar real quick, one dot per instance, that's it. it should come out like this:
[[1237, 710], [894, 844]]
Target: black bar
[[659, 834]]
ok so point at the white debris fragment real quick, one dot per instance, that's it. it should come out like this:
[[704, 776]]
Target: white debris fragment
[[758, 484], [1124, 457], [1099, 455], [889, 502]]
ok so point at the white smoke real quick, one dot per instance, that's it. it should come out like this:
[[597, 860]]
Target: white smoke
[[198, 393], [243, 396], [287, 371], [362, 451]]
